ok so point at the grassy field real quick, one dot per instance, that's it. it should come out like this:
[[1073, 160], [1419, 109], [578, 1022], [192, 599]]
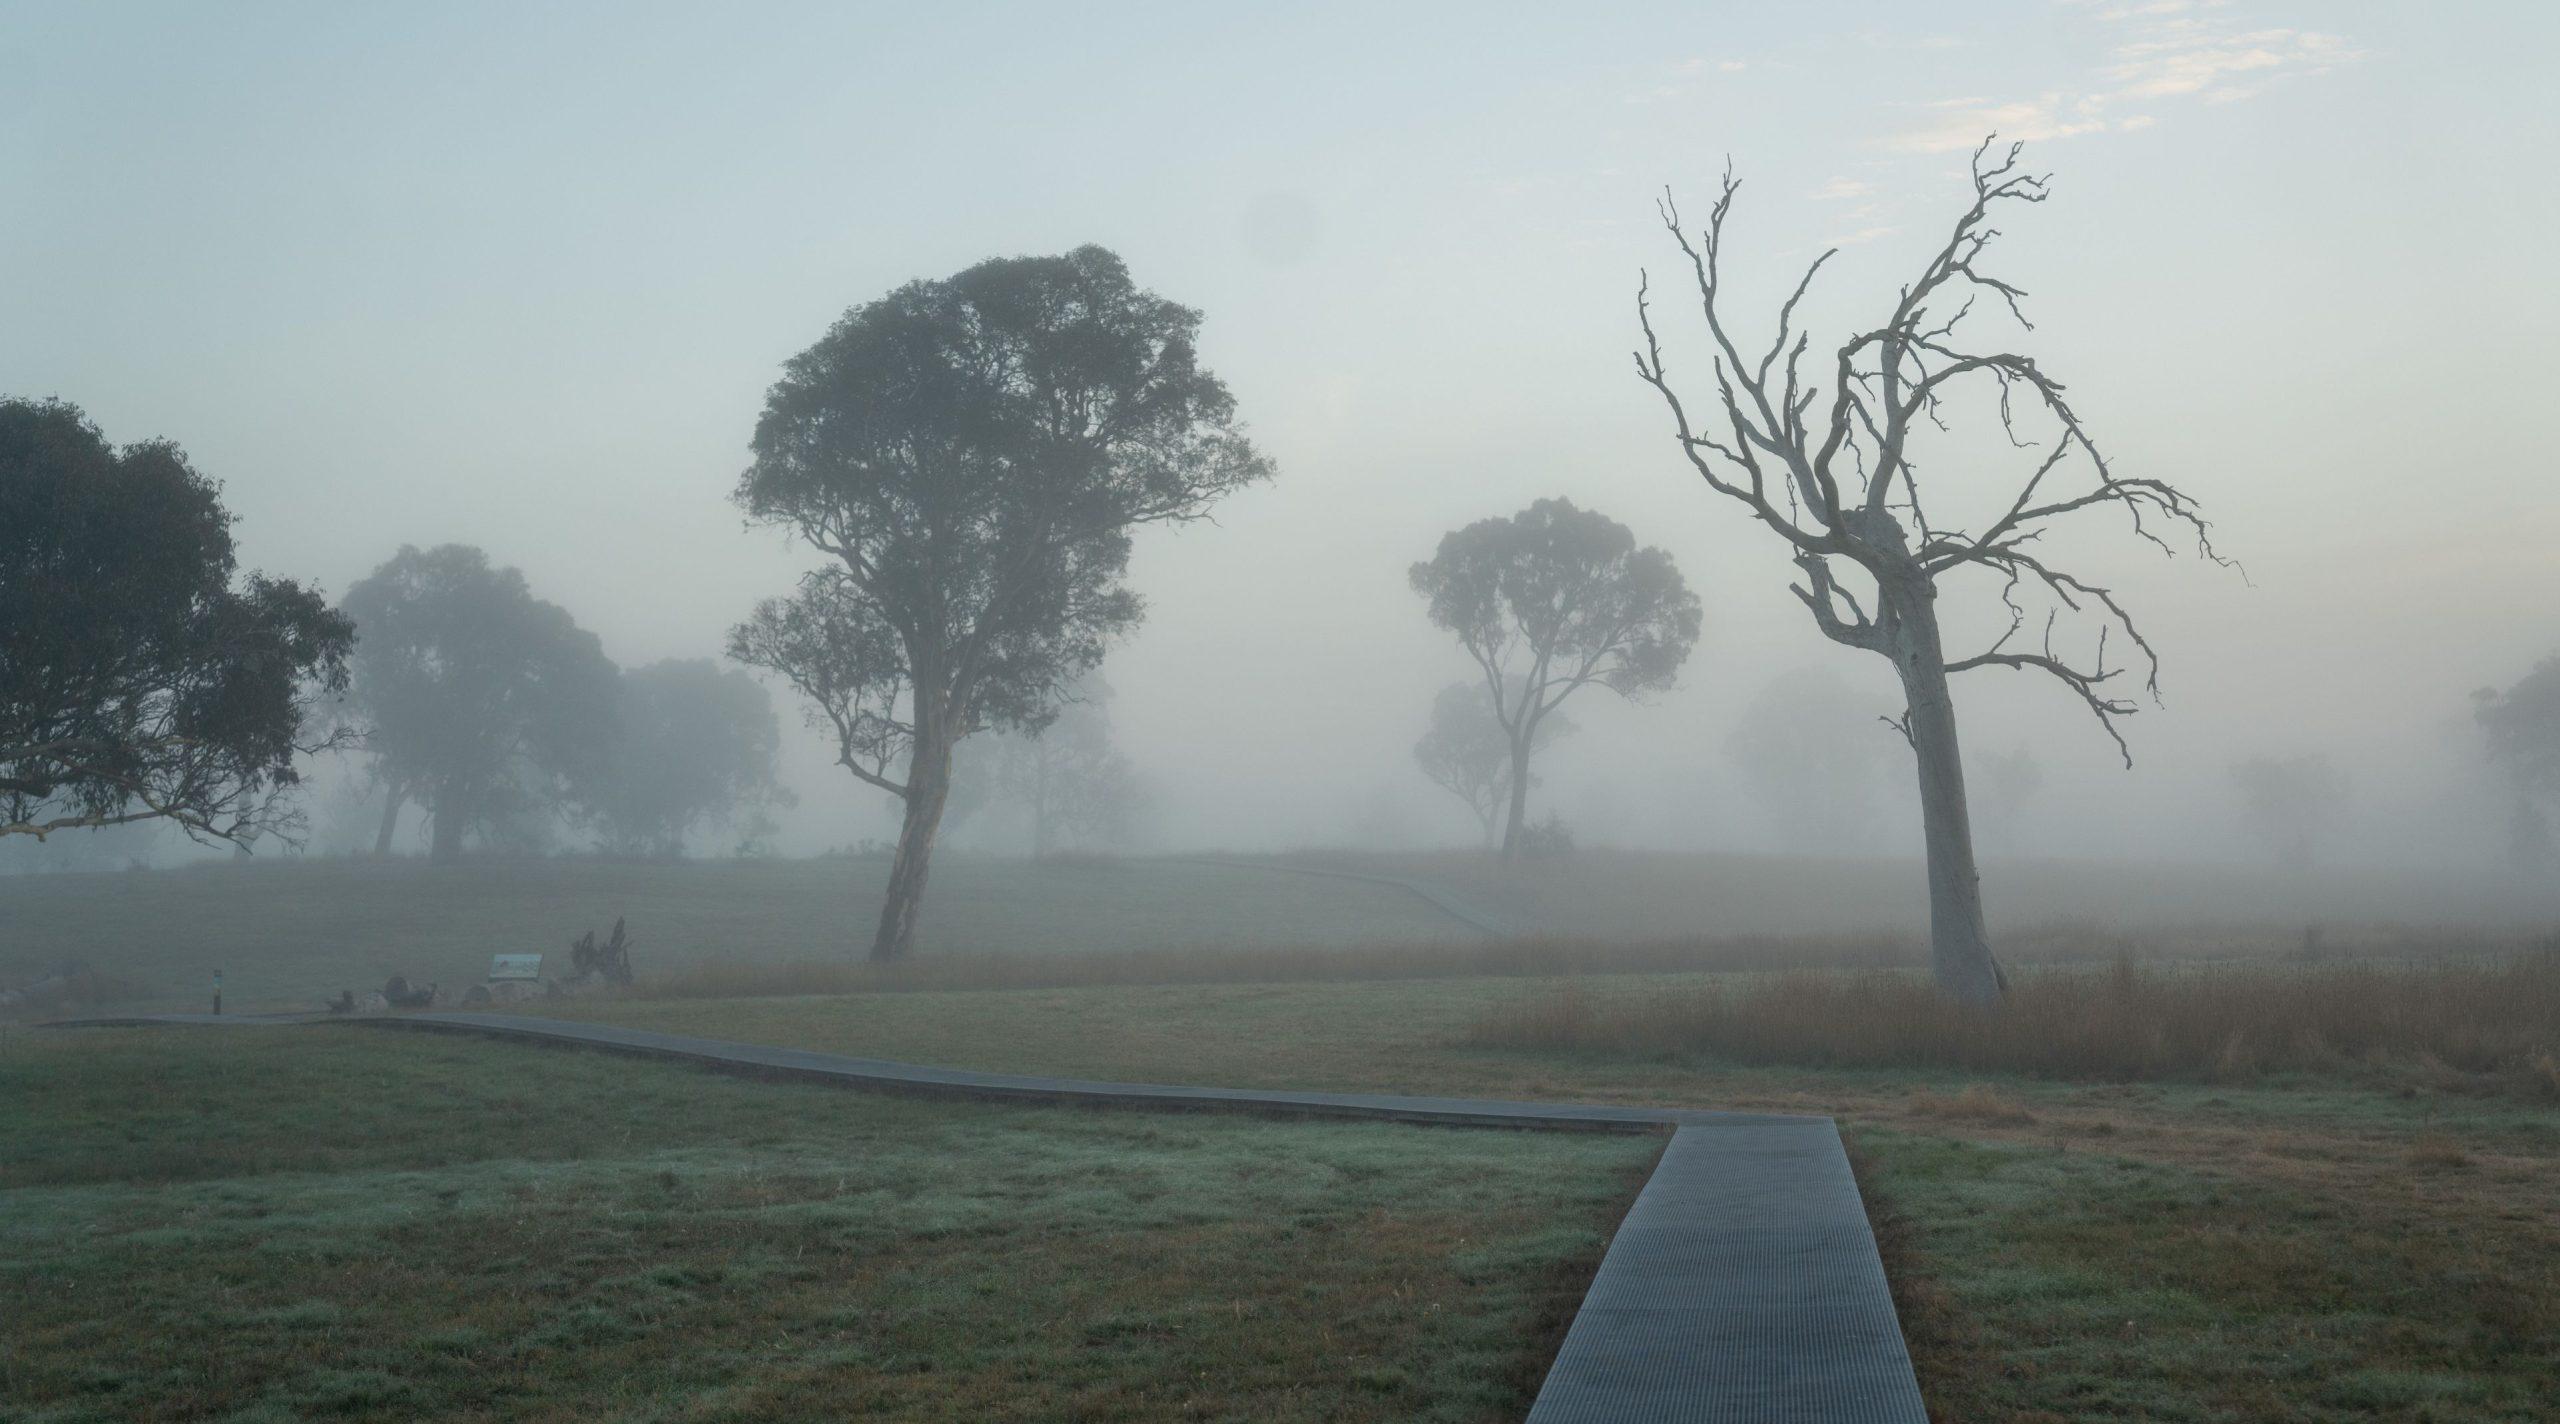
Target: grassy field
[[2255, 1174], [2257, 1246], [279, 1224], [289, 933]]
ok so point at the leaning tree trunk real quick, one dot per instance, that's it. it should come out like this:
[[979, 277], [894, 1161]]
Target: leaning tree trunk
[[390, 824], [1959, 946], [1516, 819], [928, 788]]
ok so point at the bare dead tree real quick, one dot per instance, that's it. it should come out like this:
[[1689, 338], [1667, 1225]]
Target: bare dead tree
[[1828, 467]]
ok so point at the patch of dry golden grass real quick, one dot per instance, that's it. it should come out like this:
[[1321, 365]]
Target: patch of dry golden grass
[[1562, 957], [1978, 1102], [2456, 1024]]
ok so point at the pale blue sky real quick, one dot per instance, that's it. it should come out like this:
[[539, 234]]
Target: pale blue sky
[[518, 275]]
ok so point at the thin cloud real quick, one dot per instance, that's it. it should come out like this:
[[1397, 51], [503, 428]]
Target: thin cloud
[[2166, 50], [1959, 124], [1844, 188]]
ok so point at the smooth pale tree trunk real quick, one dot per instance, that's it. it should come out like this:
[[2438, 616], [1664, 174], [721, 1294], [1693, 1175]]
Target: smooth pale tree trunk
[[1959, 945], [928, 789], [452, 813], [1518, 816], [390, 825]]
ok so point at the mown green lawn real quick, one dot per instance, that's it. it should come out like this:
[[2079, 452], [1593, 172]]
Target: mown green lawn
[[2348, 1248], [331, 1222]]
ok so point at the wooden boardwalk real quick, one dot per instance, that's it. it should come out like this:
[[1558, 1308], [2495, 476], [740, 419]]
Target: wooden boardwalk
[[1742, 1288]]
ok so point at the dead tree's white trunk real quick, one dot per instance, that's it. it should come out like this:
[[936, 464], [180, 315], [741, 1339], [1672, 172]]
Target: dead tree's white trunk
[[1959, 944]]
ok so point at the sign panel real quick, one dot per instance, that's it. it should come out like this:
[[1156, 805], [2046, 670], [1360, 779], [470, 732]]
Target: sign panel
[[515, 966]]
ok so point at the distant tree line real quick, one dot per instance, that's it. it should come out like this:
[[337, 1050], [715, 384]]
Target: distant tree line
[[496, 715]]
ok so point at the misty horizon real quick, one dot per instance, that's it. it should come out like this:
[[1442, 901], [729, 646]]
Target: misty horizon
[[419, 300]]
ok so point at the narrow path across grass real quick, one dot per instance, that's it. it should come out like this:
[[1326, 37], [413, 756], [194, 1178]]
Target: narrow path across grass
[[1743, 1286]]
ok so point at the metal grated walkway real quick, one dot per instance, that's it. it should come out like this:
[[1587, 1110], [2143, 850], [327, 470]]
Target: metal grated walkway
[[1742, 1288]]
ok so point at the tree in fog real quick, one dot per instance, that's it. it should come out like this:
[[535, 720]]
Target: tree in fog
[[971, 455], [2010, 780], [142, 677], [1069, 778], [2522, 725], [695, 748], [1549, 601], [1813, 757], [1826, 459], [2288, 803], [474, 698], [1466, 753]]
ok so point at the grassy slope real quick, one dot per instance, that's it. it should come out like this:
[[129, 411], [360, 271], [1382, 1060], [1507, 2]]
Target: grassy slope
[[2279, 1249], [332, 1222], [291, 933]]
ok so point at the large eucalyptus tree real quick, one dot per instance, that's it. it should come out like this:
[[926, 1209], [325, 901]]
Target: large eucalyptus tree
[[970, 456]]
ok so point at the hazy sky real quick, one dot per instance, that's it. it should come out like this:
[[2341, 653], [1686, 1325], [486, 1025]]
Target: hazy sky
[[519, 276]]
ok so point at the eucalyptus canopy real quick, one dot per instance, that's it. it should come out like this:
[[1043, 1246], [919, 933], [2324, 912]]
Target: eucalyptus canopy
[[142, 677]]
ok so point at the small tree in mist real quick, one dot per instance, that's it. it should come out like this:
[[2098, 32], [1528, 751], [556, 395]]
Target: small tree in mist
[[142, 678], [1070, 779], [1824, 460], [1466, 753], [1549, 601], [474, 697], [971, 456], [2522, 725], [1813, 758], [2289, 803], [695, 748]]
